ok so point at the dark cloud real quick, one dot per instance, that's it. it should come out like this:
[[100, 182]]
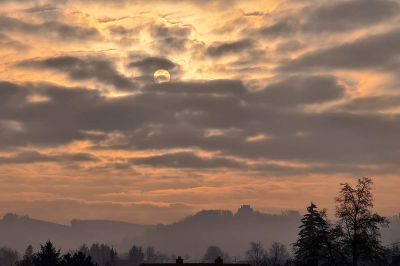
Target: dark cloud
[[215, 87], [29, 157], [356, 170], [224, 48], [329, 17], [11, 94], [41, 8], [51, 29], [289, 46], [281, 28], [26, 158], [166, 31], [187, 160], [84, 68], [338, 138], [152, 63], [217, 116], [372, 104], [50, 122], [122, 31], [374, 51], [175, 37], [350, 14], [145, 67], [299, 90], [254, 14]]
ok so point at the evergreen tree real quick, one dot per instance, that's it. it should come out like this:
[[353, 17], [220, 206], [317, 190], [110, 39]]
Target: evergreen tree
[[27, 260], [47, 256], [314, 241], [112, 258], [84, 249], [77, 259], [136, 255]]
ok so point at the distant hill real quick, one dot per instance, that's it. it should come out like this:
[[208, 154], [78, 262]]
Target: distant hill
[[115, 233], [231, 231], [19, 231], [192, 235]]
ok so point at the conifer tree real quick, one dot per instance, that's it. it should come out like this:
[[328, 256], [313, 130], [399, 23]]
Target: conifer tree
[[136, 255], [47, 256], [27, 260], [314, 237], [77, 259]]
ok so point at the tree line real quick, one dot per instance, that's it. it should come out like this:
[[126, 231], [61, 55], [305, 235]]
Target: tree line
[[353, 239], [104, 255], [95, 255]]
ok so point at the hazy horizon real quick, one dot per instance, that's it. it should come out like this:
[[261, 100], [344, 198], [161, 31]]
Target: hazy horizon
[[71, 219], [132, 219], [231, 231]]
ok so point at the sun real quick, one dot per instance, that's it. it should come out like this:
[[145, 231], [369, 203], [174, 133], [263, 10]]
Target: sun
[[162, 76]]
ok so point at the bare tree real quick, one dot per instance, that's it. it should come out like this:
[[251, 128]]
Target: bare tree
[[360, 237], [277, 255], [256, 255]]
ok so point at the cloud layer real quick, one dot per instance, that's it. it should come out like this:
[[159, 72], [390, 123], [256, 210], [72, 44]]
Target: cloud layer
[[271, 101]]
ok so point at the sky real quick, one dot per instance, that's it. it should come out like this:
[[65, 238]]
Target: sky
[[272, 103]]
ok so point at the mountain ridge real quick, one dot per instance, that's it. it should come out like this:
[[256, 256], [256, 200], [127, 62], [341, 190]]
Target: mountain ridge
[[190, 235]]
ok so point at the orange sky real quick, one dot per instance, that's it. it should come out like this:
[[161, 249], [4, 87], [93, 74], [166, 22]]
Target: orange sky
[[270, 103]]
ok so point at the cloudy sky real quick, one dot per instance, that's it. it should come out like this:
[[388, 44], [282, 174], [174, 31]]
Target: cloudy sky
[[271, 103]]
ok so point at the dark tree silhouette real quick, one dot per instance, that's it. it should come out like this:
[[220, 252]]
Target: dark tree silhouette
[[47, 256], [103, 255], [150, 255], [8, 257], [112, 258], [277, 255], [136, 255], [360, 237], [77, 259], [153, 256], [256, 255], [315, 238], [27, 260], [214, 252], [84, 249], [395, 249]]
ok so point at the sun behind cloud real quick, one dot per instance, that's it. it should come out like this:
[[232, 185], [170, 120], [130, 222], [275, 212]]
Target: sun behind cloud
[[162, 76]]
